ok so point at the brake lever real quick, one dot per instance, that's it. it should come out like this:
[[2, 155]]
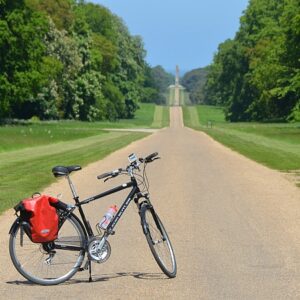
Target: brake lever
[[107, 179], [112, 176], [153, 159]]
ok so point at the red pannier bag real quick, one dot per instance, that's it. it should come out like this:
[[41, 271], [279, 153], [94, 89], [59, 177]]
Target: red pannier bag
[[42, 218]]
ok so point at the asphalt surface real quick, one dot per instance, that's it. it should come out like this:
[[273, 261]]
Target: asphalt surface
[[234, 225]]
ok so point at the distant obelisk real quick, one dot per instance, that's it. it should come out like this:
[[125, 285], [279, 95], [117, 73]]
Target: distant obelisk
[[177, 94], [177, 76]]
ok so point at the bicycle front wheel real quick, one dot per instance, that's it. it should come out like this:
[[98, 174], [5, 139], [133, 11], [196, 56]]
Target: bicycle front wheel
[[159, 242], [49, 263]]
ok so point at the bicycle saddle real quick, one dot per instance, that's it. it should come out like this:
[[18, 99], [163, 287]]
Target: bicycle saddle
[[64, 171]]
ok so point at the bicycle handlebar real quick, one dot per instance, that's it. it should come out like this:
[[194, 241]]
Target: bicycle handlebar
[[113, 173], [147, 159], [150, 157]]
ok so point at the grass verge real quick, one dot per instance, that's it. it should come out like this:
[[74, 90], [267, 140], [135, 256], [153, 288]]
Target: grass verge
[[44, 133], [25, 171], [28, 152], [274, 145], [161, 117]]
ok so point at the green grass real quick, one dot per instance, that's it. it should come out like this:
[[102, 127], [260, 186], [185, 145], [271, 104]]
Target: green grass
[[18, 137], [161, 117], [143, 117], [45, 133], [28, 152], [274, 145], [190, 116], [171, 96], [206, 115], [166, 117], [184, 97], [25, 171]]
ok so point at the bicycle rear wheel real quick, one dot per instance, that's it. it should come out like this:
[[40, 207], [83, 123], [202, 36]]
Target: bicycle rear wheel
[[49, 263], [159, 242]]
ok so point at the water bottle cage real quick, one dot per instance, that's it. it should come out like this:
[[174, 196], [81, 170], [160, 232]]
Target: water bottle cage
[[104, 223]]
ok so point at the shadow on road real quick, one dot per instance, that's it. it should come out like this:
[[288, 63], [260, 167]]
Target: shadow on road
[[137, 275], [100, 278]]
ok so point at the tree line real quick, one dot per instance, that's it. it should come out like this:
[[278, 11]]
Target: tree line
[[256, 75], [67, 59], [194, 81]]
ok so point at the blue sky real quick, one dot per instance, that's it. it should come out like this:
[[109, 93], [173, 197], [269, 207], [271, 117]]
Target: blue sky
[[186, 32]]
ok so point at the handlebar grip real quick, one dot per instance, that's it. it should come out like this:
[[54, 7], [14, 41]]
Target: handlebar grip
[[151, 156], [104, 175], [113, 173]]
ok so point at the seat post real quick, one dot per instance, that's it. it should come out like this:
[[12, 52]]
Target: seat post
[[75, 196]]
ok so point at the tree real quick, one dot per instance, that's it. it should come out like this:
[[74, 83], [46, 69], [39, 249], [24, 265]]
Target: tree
[[194, 81], [69, 59], [129, 74], [256, 75], [290, 23], [155, 85], [21, 59], [161, 79]]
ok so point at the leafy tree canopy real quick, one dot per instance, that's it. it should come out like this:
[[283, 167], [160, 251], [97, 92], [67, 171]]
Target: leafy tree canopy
[[69, 59], [256, 76], [194, 82]]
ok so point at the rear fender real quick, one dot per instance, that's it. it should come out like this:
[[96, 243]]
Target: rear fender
[[14, 226], [25, 226]]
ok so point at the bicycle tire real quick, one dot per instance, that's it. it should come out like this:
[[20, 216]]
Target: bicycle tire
[[159, 242], [36, 264]]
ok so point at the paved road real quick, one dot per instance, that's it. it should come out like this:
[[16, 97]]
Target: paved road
[[234, 226]]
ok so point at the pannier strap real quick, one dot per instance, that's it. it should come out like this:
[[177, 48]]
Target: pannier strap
[[64, 171]]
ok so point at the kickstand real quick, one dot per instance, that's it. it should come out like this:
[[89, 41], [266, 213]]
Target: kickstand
[[90, 271]]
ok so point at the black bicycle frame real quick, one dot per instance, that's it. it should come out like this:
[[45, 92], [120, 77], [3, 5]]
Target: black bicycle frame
[[134, 191]]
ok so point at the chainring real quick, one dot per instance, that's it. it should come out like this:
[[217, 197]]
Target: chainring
[[96, 254]]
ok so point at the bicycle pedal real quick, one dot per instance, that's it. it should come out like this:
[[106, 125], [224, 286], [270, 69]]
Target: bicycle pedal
[[113, 233]]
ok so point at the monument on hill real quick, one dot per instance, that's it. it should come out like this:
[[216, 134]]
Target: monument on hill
[[176, 91], [177, 76], [177, 88]]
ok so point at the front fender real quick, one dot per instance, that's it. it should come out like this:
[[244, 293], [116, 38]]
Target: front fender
[[144, 207]]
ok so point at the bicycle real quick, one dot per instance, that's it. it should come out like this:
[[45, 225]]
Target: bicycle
[[57, 261]]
